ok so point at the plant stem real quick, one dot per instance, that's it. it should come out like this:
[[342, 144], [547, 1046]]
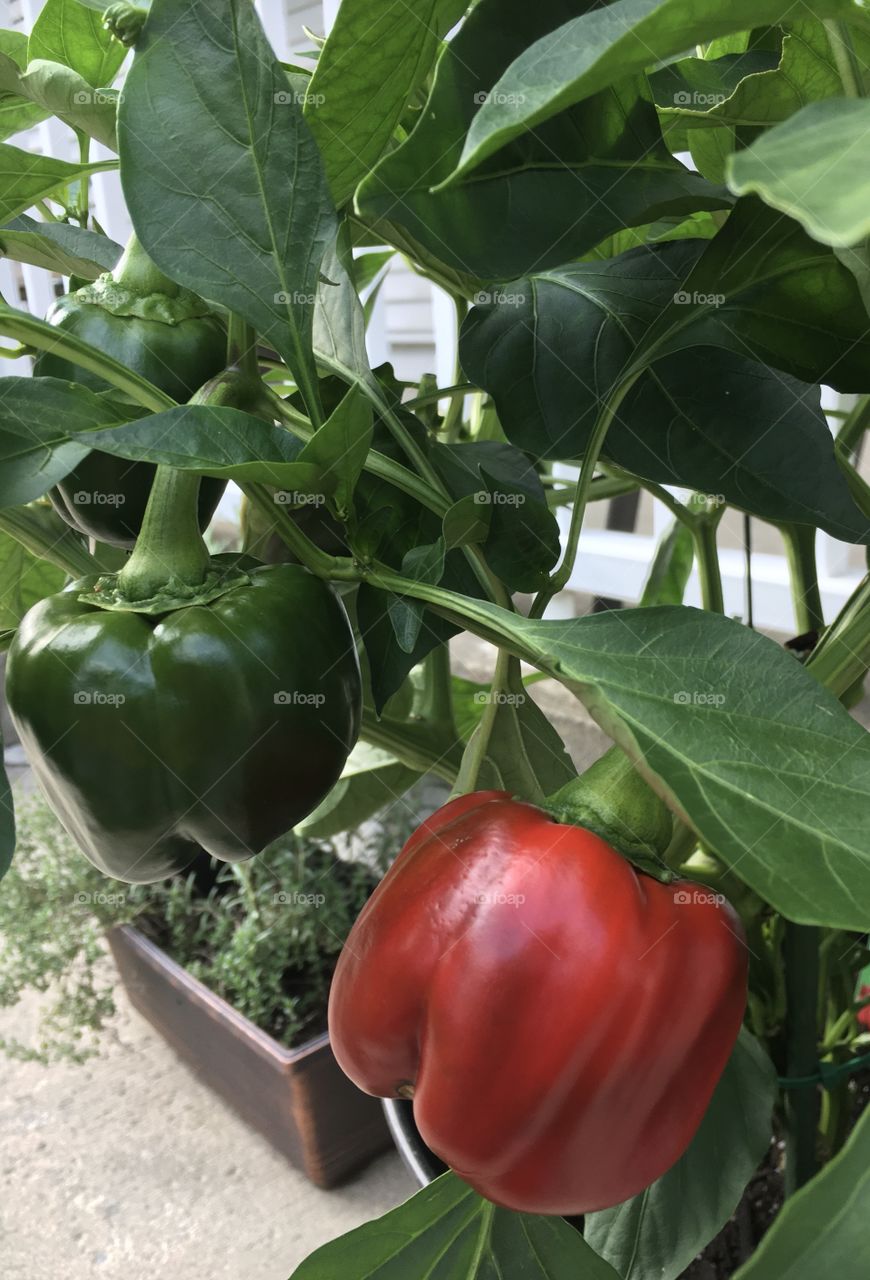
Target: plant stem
[[414, 744], [46, 337], [800, 547], [436, 702], [242, 347], [170, 548], [801, 956], [453, 417], [84, 203], [136, 272], [475, 752], [66, 552], [458, 390], [563, 572], [704, 529], [842, 656], [845, 57]]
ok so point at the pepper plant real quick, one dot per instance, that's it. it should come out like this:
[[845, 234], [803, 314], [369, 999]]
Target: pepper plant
[[651, 216]]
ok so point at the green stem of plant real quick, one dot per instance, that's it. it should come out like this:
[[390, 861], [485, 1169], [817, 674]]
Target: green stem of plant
[[36, 333], [436, 704], [704, 530], [415, 745], [170, 548], [855, 424], [801, 956], [475, 752], [457, 391], [65, 552], [843, 654], [84, 203], [800, 547], [845, 57], [136, 272], [560, 578], [242, 347], [48, 214], [453, 417]]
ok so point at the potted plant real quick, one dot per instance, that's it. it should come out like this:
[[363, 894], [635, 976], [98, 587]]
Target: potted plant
[[231, 965]]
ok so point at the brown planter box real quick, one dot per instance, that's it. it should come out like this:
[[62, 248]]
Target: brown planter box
[[297, 1098]]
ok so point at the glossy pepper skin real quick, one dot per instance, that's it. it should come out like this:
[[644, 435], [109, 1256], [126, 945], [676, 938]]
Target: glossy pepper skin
[[104, 497], [561, 1018], [214, 727]]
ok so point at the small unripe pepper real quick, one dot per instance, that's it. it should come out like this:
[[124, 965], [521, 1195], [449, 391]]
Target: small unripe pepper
[[559, 1017]]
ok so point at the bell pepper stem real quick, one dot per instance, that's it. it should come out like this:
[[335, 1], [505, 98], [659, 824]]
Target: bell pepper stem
[[475, 752], [136, 272], [800, 546], [170, 548], [801, 955]]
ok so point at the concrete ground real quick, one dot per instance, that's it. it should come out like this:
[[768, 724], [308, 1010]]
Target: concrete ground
[[127, 1168]]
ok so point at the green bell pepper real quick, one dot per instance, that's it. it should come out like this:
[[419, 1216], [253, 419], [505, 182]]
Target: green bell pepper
[[213, 727]]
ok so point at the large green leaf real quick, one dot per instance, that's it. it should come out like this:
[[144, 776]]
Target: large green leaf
[[733, 733], [822, 1229], [594, 50], [671, 568], [24, 579], [816, 168], [67, 32], [62, 92], [371, 780], [58, 246], [445, 1232], [16, 112], [221, 174], [26, 178], [222, 442], [557, 192], [38, 417], [655, 1235], [376, 55], [550, 348]]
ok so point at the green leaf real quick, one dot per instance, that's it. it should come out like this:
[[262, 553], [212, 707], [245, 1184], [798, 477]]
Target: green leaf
[[24, 579], [39, 419], [816, 168], [374, 58], [574, 337], [67, 32], [62, 92], [371, 780], [16, 113], [233, 202], [58, 246], [26, 178], [734, 734], [594, 50], [446, 1231], [655, 1235], [340, 447], [671, 568], [524, 754], [822, 1229], [553, 195], [466, 522], [222, 442]]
